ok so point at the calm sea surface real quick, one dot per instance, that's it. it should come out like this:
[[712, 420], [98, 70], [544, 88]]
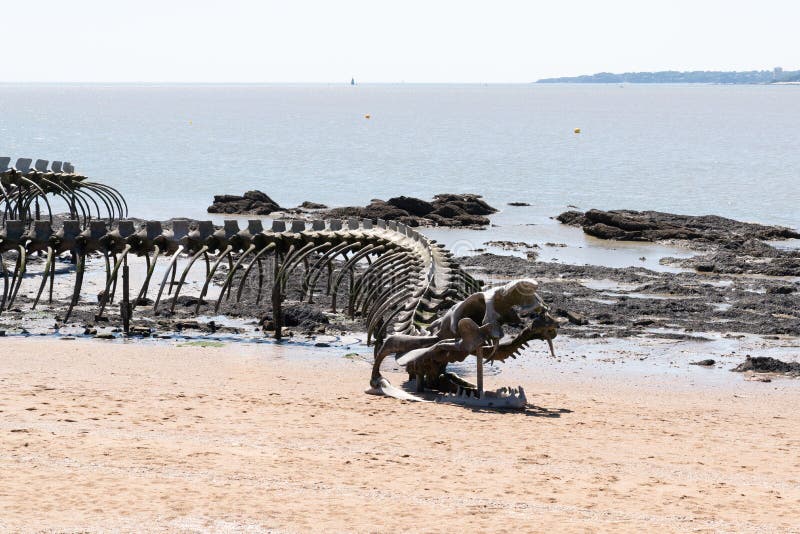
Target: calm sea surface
[[729, 150]]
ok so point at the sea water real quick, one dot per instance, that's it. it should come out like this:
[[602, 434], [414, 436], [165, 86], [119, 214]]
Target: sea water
[[693, 149]]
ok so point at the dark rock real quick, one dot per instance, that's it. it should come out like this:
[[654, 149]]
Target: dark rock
[[471, 203], [346, 212], [187, 325], [302, 315], [781, 290], [439, 220], [449, 211], [704, 363], [259, 210], [604, 231], [224, 199], [729, 246], [252, 202], [657, 226], [570, 217], [766, 364], [141, 331], [413, 206], [518, 204], [471, 220], [377, 209], [410, 221], [187, 301], [573, 317], [604, 318], [445, 210], [308, 205], [259, 196]]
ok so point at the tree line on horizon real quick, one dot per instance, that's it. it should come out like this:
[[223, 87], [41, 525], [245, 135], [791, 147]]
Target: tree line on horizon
[[673, 76]]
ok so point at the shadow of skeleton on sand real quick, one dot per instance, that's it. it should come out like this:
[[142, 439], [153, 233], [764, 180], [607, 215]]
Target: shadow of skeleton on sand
[[530, 410]]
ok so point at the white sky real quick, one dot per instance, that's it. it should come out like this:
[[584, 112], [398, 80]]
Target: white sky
[[387, 41]]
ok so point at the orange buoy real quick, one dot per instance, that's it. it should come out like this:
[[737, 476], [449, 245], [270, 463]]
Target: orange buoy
[[367, 116], [577, 130]]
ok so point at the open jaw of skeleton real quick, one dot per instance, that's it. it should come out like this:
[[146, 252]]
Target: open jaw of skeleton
[[473, 326]]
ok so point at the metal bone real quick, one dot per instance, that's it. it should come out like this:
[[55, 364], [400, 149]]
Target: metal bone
[[24, 188]]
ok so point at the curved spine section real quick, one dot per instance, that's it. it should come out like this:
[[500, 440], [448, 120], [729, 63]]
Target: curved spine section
[[391, 274]]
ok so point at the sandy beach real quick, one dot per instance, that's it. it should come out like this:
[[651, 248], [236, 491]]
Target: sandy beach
[[163, 437], [359, 267]]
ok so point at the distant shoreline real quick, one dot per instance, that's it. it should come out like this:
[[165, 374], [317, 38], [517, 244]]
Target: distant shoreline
[[754, 77], [290, 85]]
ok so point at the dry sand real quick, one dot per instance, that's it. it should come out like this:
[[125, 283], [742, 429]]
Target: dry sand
[[136, 437]]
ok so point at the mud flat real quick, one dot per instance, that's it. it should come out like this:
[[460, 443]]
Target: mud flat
[[242, 437], [737, 297], [740, 278]]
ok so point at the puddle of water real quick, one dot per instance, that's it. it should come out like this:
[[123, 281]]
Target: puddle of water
[[677, 330], [580, 249], [94, 279], [602, 301], [718, 283], [633, 358], [651, 296], [786, 244], [605, 284]]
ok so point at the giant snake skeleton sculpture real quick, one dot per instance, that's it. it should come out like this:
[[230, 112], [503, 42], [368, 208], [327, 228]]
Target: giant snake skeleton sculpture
[[393, 277]]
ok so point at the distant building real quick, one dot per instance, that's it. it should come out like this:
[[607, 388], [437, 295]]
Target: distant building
[[777, 73]]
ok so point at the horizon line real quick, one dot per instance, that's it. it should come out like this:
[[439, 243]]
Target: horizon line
[[168, 82]]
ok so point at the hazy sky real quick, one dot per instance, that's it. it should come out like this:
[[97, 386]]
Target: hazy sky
[[387, 41]]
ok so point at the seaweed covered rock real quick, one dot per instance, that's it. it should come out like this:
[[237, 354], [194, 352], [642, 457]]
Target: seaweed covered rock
[[414, 206], [470, 203], [728, 246], [250, 203], [446, 209], [303, 315], [631, 225], [308, 205], [377, 209], [766, 364]]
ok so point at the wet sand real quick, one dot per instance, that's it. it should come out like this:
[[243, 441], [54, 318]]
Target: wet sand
[[111, 436]]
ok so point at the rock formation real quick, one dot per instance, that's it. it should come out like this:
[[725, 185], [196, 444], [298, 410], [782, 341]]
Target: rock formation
[[251, 203]]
